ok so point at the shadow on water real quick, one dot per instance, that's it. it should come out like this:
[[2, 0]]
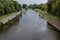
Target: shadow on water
[[54, 30], [11, 23], [52, 27]]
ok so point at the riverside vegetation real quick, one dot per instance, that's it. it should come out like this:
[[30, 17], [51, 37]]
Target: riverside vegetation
[[7, 7], [51, 9]]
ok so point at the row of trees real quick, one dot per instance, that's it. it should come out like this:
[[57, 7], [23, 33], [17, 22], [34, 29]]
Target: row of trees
[[9, 6], [54, 7], [39, 6], [34, 6]]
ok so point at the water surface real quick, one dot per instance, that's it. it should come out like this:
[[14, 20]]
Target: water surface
[[30, 27]]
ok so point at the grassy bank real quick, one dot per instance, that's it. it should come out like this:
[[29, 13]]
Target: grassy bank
[[9, 24], [48, 14], [7, 20], [4, 16], [53, 20]]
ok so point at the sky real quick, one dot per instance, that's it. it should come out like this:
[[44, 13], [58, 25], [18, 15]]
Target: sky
[[28, 2]]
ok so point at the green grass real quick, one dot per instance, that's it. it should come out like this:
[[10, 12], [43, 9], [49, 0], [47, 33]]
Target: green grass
[[4, 16], [48, 14]]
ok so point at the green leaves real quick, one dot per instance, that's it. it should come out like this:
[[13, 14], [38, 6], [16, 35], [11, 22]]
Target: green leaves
[[8, 6], [54, 7], [1, 6]]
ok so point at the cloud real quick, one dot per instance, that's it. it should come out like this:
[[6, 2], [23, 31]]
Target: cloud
[[28, 2]]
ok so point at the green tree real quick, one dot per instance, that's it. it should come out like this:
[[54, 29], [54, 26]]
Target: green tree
[[24, 6], [54, 7], [1, 9], [9, 6]]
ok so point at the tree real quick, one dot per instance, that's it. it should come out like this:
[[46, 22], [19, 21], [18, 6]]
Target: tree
[[24, 6], [1, 9], [9, 6]]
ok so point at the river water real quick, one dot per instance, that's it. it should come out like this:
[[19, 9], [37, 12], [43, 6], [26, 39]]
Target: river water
[[30, 27]]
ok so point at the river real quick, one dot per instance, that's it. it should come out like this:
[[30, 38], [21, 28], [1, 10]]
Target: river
[[30, 27]]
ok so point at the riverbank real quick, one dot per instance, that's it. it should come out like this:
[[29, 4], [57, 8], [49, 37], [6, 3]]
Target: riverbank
[[10, 19], [51, 19]]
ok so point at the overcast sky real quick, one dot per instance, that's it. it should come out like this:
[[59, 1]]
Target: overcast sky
[[28, 2]]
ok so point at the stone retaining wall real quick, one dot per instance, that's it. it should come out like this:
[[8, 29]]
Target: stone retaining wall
[[52, 21]]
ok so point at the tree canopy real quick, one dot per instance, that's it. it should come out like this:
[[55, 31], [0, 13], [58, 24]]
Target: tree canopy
[[54, 7], [8, 6]]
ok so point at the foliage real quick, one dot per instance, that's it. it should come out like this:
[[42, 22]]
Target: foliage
[[43, 6], [54, 7], [24, 6], [39, 6], [34, 6], [8, 6]]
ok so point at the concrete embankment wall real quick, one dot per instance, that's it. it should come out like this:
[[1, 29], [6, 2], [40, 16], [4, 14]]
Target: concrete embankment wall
[[11, 22], [54, 22], [5, 23]]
